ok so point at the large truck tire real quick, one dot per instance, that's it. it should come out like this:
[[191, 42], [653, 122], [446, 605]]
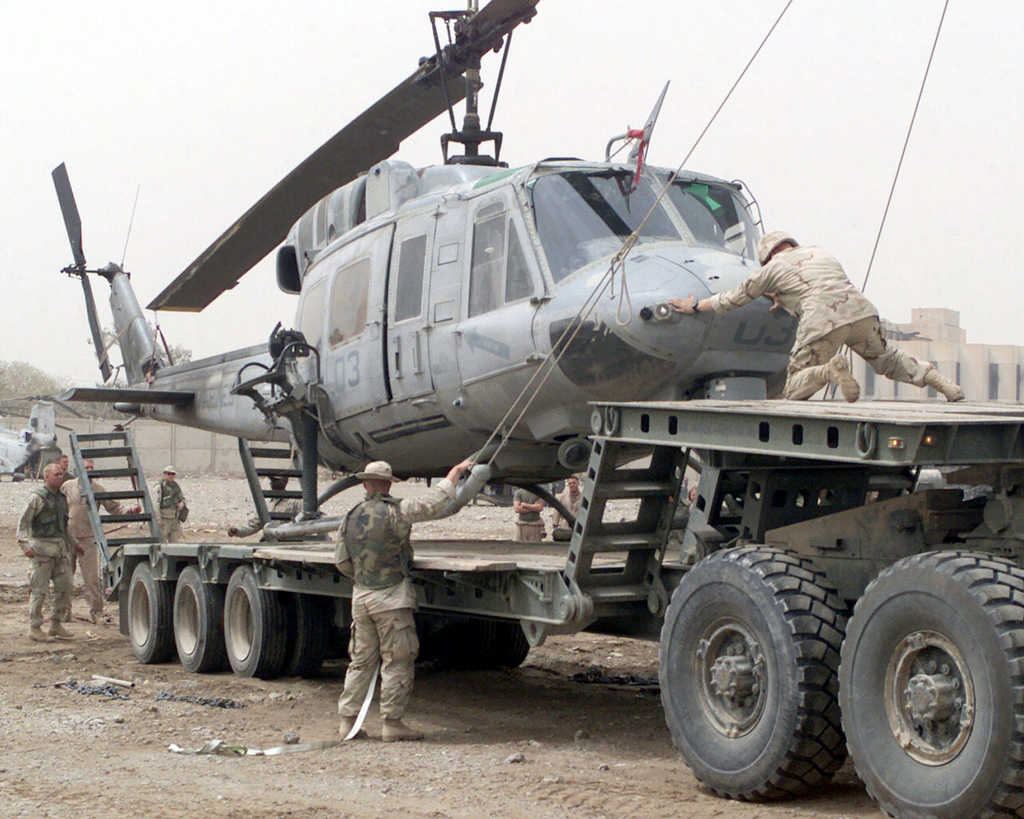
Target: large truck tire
[[748, 669], [308, 649], [502, 643], [150, 618], [255, 627], [199, 623], [932, 687]]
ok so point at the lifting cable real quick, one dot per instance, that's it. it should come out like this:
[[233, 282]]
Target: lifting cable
[[906, 142], [558, 349], [830, 389]]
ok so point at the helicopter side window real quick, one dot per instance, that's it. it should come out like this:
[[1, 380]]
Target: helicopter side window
[[585, 216], [311, 321], [409, 287], [349, 300], [488, 266], [518, 282], [715, 216]]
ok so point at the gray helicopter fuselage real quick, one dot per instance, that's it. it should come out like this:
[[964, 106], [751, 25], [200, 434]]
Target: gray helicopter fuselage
[[432, 315]]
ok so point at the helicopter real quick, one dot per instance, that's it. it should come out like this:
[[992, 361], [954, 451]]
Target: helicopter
[[432, 300], [22, 451]]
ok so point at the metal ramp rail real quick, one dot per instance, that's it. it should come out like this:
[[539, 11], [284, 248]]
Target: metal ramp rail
[[261, 495], [114, 448]]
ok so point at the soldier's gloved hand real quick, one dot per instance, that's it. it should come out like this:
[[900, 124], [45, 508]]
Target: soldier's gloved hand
[[232, 531]]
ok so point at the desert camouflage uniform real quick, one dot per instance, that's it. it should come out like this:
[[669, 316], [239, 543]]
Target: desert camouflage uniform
[[570, 503], [278, 505], [811, 284], [44, 527], [373, 548], [529, 526], [170, 494], [81, 528]]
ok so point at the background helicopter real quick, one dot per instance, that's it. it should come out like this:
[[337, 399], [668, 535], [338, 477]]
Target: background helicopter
[[23, 453], [430, 297]]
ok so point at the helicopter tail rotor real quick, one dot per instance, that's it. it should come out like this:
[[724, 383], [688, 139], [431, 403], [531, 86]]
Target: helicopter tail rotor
[[73, 224]]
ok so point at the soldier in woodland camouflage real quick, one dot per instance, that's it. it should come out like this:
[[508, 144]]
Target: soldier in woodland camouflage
[[373, 549], [810, 283], [44, 538]]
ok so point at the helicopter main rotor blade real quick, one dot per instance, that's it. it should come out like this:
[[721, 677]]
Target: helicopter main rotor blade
[[94, 327], [370, 138], [72, 221]]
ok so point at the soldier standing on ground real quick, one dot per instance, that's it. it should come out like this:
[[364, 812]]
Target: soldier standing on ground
[[810, 283], [44, 538], [64, 464], [81, 529], [289, 506], [171, 501], [570, 498], [529, 526], [373, 549]]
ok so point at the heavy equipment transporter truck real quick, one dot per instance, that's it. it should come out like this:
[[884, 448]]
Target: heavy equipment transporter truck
[[813, 604]]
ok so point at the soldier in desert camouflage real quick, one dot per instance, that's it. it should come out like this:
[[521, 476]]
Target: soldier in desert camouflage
[[373, 549], [810, 283]]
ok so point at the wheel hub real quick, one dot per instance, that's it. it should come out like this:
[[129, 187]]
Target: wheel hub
[[929, 697], [732, 672]]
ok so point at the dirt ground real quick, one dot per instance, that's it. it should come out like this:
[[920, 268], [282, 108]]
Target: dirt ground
[[528, 743]]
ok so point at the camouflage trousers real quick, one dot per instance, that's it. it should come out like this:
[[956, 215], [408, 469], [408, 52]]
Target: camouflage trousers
[[170, 528], [531, 531], [388, 636], [49, 565], [808, 365], [89, 561]]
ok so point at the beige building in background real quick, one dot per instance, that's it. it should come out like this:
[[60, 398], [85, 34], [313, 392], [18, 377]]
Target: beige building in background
[[985, 372]]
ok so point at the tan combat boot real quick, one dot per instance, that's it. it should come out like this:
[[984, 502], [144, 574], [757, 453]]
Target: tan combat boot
[[395, 730], [347, 723], [35, 634], [58, 632], [937, 381], [838, 370]]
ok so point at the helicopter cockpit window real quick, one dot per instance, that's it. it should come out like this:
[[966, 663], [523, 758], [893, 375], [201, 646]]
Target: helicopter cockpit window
[[409, 287], [348, 301], [311, 322], [585, 216], [715, 216]]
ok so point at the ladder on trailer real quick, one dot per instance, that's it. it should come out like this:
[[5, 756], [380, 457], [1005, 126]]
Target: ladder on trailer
[[275, 461], [628, 553], [113, 455]]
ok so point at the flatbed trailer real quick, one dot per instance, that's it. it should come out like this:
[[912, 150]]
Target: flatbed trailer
[[810, 604]]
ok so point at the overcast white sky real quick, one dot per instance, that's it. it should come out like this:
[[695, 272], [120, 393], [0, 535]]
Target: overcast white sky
[[206, 105]]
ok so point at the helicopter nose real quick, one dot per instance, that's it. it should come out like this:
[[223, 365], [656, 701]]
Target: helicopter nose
[[635, 346]]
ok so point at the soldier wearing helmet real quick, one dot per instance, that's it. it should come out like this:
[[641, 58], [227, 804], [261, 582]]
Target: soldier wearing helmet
[[811, 284], [373, 549]]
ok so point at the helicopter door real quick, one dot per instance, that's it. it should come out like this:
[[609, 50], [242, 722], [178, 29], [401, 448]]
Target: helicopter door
[[496, 349], [408, 367], [352, 369]]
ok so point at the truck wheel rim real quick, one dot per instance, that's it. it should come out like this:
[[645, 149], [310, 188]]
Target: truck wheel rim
[[929, 697], [140, 624], [186, 621], [731, 669]]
